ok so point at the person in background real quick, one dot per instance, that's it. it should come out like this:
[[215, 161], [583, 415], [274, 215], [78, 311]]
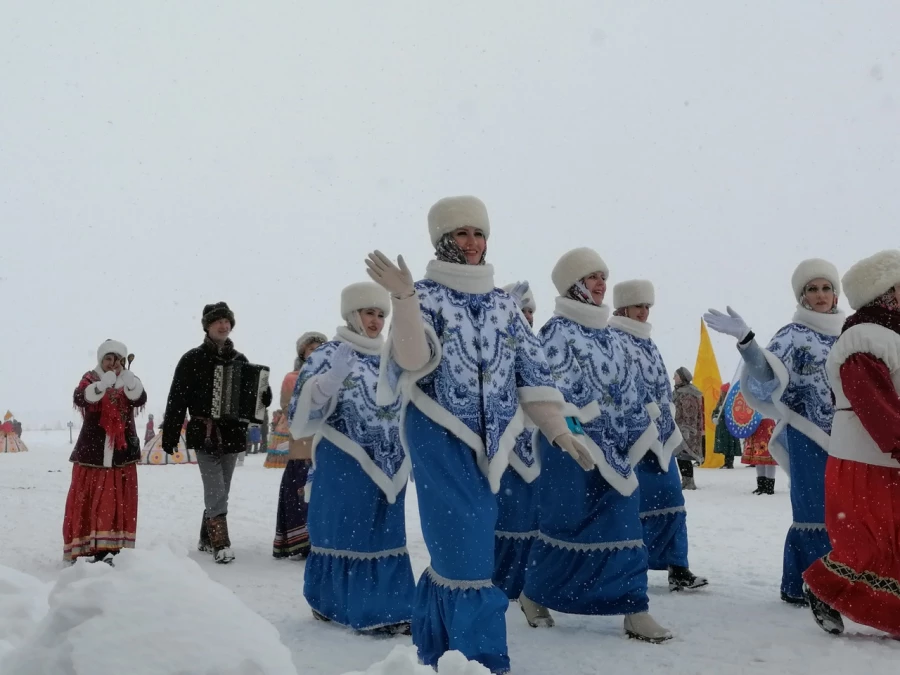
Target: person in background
[[691, 420], [102, 505], [726, 444], [756, 453], [150, 432], [216, 442], [291, 531]]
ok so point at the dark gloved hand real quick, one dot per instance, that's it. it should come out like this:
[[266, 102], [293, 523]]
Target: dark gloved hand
[[267, 397]]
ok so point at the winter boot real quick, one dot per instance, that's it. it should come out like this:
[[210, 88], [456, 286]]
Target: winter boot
[[681, 578], [218, 537], [688, 483], [794, 602], [760, 486], [203, 544], [536, 615], [106, 557], [642, 626], [828, 618], [768, 486], [320, 617]]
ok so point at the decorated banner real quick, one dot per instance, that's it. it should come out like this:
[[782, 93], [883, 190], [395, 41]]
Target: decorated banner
[[741, 420], [709, 381]]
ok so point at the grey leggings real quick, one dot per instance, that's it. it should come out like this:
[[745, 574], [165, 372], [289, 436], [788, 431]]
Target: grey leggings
[[765, 471], [216, 472]]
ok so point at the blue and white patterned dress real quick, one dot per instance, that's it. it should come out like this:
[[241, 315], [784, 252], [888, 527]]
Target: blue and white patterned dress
[[462, 421], [358, 573], [788, 383], [589, 557], [663, 514]]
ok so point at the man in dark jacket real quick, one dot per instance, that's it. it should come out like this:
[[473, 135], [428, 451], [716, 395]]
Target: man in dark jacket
[[217, 442]]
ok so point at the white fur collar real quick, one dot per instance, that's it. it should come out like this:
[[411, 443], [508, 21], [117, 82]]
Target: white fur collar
[[827, 324], [476, 279], [589, 316], [362, 344], [632, 327]]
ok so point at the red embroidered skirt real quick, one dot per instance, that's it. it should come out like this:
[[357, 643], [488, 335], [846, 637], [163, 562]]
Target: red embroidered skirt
[[860, 578], [756, 447], [101, 510]]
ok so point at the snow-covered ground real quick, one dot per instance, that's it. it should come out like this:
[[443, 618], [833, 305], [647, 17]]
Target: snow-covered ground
[[736, 625]]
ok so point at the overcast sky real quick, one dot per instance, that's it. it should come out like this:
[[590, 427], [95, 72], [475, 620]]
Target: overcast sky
[[157, 156]]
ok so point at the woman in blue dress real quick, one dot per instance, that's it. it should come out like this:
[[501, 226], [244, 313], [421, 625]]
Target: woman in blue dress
[[469, 370], [358, 572], [517, 503], [589, 556], [787, 382], [663, 514]]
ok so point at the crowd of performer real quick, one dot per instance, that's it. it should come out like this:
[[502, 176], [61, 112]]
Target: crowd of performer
[[550, 464]]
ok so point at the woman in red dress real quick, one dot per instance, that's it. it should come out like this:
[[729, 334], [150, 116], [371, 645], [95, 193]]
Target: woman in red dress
[[860, 577], [101, 509]]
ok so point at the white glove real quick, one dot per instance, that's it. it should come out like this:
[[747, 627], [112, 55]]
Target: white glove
[[729, 324], [395, 280], [342, 362], [576, 450], [107, 380], [519, 291], [127, 379]]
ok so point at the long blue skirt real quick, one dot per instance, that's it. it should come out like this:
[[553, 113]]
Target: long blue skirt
[[807, 540], [589, 557], [457, 606], [517, 526], [358, 572], [662, 513]]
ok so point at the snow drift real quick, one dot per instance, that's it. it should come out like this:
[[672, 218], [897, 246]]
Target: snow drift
[[155, 612]]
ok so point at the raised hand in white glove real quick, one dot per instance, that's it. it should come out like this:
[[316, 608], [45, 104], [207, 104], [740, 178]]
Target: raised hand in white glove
[[519, 291], [576, 450], [342, 362], [729, 324], [107, 380], [395, 279], [128, 379]]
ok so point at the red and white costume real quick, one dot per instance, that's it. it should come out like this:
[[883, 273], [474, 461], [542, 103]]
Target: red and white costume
[[860, 577], [102, 505]]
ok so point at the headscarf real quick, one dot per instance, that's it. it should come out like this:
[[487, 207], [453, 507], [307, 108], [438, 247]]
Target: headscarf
[[447, 250], [685, 375], [803, 303], [579, 293], [883, 311]]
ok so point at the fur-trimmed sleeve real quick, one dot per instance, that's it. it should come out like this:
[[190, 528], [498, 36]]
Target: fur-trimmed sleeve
[[867, 384]]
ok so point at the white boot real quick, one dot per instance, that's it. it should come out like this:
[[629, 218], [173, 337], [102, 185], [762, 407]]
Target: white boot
[[223, 556], [536, 615], [642, 626]]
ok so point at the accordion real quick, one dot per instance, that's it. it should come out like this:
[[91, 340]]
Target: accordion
[[238, 390]]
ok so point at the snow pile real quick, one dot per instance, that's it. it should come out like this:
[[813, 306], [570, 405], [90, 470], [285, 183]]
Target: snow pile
[[155, 612], [403, 661], [23, 602]]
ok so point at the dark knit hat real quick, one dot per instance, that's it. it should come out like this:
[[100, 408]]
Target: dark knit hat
[[684, 374], [214, 312]]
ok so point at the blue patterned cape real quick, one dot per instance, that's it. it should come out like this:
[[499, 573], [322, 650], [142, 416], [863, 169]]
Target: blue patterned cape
[[352, 420], [592, 366], [485, 360], [653, 384], [800, 394]]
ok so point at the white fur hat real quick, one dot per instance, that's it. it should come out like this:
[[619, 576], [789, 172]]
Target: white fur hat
[[576, 265], [363, 296], [871, 277], [111, 347], [528, 301], [633, 292], [814, 268], [451, 213]]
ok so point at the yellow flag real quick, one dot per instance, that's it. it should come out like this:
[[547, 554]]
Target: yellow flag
[[708, 380]]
